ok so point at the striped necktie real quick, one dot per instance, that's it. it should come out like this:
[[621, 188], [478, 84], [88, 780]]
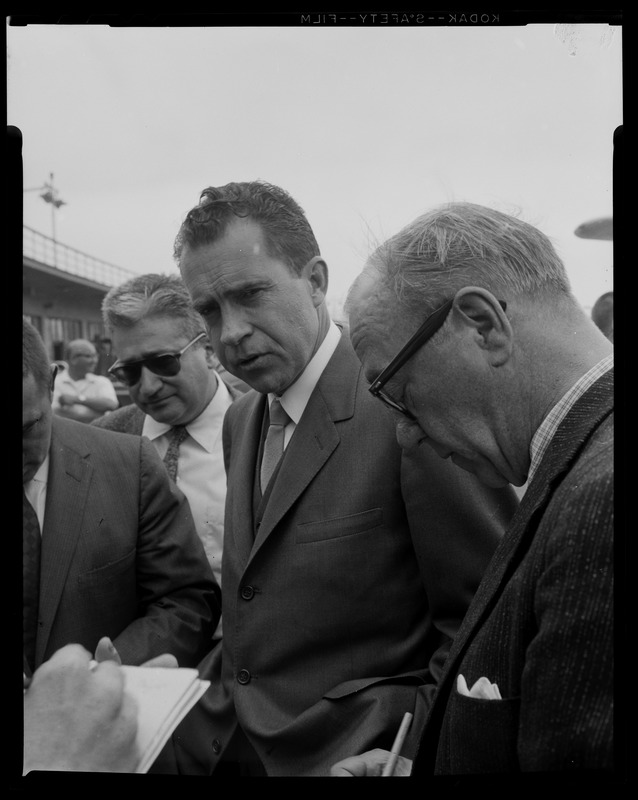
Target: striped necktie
[[176, 437], [274, 442], [31, 544]]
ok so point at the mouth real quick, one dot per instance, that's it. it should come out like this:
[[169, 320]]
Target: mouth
[[251, 361], [157, 401]]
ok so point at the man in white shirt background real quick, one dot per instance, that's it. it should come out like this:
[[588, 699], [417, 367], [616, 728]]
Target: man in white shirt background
[[78, 393], [161, 345]]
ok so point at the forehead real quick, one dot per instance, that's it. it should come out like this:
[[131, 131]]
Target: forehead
[[239, 256], [150, 335], [377, 330], [82, 349]]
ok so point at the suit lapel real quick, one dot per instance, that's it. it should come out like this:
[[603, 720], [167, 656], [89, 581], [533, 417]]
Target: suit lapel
[[585, 416], [244, 450], [315, 437], [68, 483]]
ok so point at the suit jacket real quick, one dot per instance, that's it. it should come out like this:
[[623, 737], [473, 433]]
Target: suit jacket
[[120, 555], [329, 632], [541, 624]]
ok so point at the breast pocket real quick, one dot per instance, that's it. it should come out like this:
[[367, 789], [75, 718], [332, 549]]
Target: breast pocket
[[112, 586], [482, 734], [338, 527]]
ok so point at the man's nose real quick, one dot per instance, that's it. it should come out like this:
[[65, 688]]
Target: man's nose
[[409, 434], [234, 327], [149, 383]]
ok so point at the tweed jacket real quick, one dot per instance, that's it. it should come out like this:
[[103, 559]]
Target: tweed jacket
[[333, 625], [120, 555], [541, 624]]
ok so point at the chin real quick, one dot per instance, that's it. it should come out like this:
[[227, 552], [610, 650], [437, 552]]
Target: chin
[[486, 475]]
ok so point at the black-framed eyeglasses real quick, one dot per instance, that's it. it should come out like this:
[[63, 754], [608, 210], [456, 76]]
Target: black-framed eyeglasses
[[166, 365], [424, 333]]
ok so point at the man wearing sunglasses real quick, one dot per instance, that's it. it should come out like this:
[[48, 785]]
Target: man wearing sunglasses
[[468, 331], [333, 624], [163, 360]]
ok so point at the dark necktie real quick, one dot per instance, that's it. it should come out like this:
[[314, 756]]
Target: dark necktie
[[176, 437], [31, 544], [274, 442]]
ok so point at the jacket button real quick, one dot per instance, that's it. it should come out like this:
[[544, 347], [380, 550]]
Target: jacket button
[[217, 746], [247, 592], [243, 676]]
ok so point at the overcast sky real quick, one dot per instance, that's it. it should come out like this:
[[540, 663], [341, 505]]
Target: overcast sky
[[366, 127]]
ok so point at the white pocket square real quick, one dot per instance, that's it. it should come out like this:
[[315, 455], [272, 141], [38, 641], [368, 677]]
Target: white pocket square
[[483, 689]]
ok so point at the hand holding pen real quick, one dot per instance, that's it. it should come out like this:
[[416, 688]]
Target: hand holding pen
[[378, 763]]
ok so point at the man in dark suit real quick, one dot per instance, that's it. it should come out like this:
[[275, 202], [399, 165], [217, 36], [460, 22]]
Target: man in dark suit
[[341, 584], [164, 360], [508, 377], [112, 537]]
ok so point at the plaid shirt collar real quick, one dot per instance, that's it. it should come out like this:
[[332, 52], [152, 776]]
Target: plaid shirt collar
[[549, 426]]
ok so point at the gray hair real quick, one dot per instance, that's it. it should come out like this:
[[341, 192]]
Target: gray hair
[[151, 295], [463, 244], [71, 346]]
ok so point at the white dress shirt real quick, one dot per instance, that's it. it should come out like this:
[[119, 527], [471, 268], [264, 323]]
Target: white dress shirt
[[36, 491], [295, 399], [201, 474]]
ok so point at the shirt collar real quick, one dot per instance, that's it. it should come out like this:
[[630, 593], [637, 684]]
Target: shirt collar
[[204, 428], [295, 398], [549, 426], [41, 477]]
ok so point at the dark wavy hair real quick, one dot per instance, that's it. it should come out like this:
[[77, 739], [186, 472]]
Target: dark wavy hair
[[286, 230]]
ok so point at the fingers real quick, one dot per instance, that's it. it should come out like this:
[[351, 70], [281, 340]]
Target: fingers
[[367, 765], [105, 651], [166, 660]]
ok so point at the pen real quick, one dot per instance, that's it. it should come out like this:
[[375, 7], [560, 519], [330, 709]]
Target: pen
[[388, 770]]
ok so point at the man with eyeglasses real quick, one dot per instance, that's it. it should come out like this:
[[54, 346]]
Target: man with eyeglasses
[[467, 328], [178, 397], [343, 578], [109, 544]]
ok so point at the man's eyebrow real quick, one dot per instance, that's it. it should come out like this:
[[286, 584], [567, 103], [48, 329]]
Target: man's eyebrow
[[236, 290]]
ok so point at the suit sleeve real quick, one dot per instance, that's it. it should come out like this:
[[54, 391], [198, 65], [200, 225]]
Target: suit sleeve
[[569, 662], [456, 524], [179, 598]]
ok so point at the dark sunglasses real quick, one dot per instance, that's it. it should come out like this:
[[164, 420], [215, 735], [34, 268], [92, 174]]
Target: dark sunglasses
[[166, 365], [424, 333]]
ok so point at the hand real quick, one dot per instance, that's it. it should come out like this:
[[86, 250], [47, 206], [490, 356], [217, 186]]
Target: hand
[[105, 651], [67, 399], [77, 718], [369, 765]]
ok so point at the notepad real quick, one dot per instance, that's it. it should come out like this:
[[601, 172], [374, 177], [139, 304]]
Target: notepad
[[164, 696]]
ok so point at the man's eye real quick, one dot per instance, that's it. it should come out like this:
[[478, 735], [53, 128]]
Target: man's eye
[[28, 428], [252, 293]]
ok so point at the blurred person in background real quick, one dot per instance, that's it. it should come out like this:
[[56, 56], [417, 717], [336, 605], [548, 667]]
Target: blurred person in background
[[78, 393]]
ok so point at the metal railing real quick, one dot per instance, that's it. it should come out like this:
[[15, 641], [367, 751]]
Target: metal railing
[[47, 251]]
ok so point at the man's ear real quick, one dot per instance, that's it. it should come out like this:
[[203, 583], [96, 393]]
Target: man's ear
[[54, 372], [316, 272], [485, 314]]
